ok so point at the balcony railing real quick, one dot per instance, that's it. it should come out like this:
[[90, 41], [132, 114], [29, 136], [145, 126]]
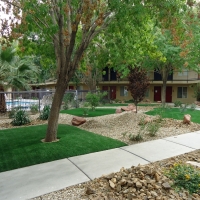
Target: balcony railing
[[153, 76]]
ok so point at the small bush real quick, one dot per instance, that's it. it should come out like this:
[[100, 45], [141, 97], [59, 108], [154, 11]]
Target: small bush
[[67, 99], [85, 111], [94, 98], [103, 101], [184, 107], [166, 106], [34, 108], [153, 129], [124, 134], [177, 104], [20, 118], [85, 108], [137, 137], [45, 113], [185, 177], [12, 112], [160, 113], [193, 107], [65, 106], [117, 100], [143, 125]]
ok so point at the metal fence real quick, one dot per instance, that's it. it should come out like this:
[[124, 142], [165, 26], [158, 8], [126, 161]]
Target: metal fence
[[27, 99]]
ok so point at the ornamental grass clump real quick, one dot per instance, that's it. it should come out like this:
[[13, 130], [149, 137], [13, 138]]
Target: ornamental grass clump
[[153, 128], [185, 177]]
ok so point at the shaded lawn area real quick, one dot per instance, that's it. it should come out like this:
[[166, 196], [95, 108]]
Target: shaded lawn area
[[21, 147], [176, 113], [91, 113]]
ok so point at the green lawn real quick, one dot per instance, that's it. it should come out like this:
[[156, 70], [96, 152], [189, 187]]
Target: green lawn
[[126, 104], [97, 112], [114, 104], [176, 113], [21, 147]]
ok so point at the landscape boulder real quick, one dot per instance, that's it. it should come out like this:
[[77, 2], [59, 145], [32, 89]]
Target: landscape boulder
[[118, 111], [197, 103], [125, 108], [187, 119], [77, 121], [130, 107]]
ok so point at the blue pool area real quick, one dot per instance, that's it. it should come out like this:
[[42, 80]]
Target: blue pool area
[[24, 104], [15, 103]]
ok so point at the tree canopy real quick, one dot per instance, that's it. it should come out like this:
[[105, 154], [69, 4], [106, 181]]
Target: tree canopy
[[68, 27]]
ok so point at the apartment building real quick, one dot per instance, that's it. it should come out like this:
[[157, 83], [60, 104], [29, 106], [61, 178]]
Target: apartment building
[[180, 86]]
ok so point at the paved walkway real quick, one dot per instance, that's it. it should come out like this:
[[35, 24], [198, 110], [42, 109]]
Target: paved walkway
[[33, 181]]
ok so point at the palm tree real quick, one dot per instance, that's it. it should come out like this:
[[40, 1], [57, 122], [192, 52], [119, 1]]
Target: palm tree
[[15, 71]]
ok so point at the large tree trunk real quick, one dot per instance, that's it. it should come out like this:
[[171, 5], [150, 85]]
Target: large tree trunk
[[136, 107], [164, 86], [2, 101], [163, 96], [51, 134]]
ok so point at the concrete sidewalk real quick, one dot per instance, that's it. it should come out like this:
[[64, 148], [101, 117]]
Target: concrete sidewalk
[[33, 181]]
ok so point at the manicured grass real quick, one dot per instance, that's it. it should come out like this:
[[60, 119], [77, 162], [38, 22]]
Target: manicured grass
[[21, 147], [97, 112], [114, 104], [148, 104], [126, 104], [176, 113]]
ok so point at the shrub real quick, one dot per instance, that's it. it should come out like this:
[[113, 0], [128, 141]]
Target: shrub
[[20, 118], [160, 114], [94, 98], [142, 121], [117, 100], [67, 99], [34, 108], [85, 108], [153, 128], [193, 106], [166, 106], [103, 101], [45, 113], [185, 176], [184, 107], [177, 104], [12, 112], [137, 137]]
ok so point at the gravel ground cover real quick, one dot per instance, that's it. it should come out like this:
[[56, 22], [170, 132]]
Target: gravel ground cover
[[120, 126], [146, 182]]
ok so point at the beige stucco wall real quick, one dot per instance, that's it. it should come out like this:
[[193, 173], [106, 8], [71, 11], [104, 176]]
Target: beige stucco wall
[[190, 93], [189, 99]]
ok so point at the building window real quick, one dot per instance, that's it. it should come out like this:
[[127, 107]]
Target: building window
[[182, 92], [123, 91]]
